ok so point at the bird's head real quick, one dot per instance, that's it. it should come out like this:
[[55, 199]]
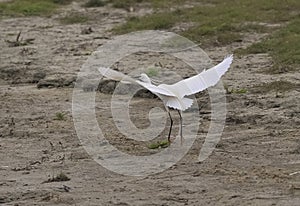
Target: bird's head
[[144, 78]]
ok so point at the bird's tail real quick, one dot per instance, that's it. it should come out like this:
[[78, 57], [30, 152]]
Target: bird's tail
[[180, 104], [186, 103]]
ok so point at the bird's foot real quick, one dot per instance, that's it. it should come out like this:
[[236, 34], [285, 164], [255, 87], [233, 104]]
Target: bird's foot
[[171, 139]]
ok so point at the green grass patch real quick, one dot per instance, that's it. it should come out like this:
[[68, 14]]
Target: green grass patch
[[159, 144], [219, 22], [157, 21], [74, 18], [283, 46], [230, 90], [30, 7], [59, 116], [215, 21], [152, 72]]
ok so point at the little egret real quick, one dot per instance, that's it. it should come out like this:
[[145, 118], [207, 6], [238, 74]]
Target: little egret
[[174, 95]]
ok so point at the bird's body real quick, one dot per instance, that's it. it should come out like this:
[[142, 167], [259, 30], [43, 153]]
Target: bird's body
[[174, 95]]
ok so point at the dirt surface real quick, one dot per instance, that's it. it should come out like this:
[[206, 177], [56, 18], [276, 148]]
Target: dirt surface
[[257, 161]]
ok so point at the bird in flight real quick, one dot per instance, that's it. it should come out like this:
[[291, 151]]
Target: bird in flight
[[175, 95]]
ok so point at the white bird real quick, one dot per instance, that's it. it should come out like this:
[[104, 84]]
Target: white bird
[[174, 95]]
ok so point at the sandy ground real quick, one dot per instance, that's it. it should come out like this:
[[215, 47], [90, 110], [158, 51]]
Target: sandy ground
[[257, 161]]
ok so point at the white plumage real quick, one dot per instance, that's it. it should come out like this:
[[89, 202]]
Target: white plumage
[[174, 95]]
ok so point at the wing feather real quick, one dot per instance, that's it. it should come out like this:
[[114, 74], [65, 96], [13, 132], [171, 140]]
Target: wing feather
[[201, 81], [118, 76], [115, 75], [155, 89]]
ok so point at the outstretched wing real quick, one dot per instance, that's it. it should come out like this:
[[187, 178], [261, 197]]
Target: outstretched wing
[[114, 75], [201, 81], [155, 89], [118, 76]]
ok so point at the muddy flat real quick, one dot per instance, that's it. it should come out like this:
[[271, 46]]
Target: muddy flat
[[43, 162]]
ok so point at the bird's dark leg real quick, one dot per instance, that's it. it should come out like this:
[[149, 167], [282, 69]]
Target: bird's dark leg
[[181, 138], [169, 136]]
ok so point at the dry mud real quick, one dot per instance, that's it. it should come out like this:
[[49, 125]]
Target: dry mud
[[257, 161]]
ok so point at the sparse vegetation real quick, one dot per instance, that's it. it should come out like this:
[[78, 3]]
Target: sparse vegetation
[[155, 21], [221, 23], [74, 18], [62, 2], [231, 90], [19, 41], [121, 4], [44, 163], [95, 3], [61, 177], [30, 7], [124, 4], [159, 144], [152, 72], [59, 116], [283, 46], [276, 86]]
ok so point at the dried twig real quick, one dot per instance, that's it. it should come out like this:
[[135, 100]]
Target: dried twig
[[19, 42]]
